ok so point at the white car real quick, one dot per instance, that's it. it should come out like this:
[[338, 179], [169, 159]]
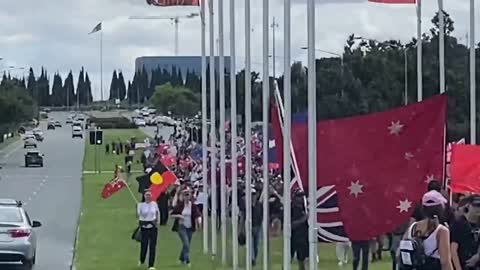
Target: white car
[[30, 141], [140, 122], [77, 132]]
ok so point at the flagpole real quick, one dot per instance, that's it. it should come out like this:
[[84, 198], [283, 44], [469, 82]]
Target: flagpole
[[101, 64], [287, 83], [213, 147], [312, 137], [419, 52], [233, 124], [248, 138], [204, 128], [266, 98], [473, 105], [441, 47], [223, 186]]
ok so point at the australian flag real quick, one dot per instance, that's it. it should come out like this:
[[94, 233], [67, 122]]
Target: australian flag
[[329, 225]]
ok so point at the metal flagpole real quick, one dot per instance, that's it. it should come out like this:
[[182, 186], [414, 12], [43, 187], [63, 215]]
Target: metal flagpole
[[274, 25], [473, 105], [248, 138], [287, 84], [441, 50], [101, 65], [213, 148], [223, 186], [204, 128], [233, 124], [266, 98], [312, 137], [419, 52]]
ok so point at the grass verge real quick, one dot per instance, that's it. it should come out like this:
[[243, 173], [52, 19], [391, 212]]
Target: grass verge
[[106, 226]]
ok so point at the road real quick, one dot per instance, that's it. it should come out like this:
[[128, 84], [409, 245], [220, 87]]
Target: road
[[52, 194]]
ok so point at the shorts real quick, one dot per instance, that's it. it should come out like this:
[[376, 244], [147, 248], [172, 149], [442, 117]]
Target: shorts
[[301, 249]]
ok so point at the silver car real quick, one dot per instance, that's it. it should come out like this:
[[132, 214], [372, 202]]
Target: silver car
[[18, 241]]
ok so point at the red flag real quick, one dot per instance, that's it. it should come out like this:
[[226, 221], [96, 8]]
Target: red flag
[[394, 1], [465, 169], [113, 187], [167, 3], [378, 164], [161, 178]]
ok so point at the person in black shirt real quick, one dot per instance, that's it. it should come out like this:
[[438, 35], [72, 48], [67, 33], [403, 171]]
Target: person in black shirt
[[464, 236], [257, 220], [299, 238]]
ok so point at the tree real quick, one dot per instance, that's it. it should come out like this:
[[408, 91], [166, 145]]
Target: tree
[[88, 90], [16, 105], [114, 94], [58, 97], [69, 89], [122, 89], [81, 91], [176, 99], [31, 83]]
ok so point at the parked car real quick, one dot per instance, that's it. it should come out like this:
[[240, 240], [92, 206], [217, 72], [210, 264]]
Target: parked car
[[33, 158], [50, 125], [18, 240], [69, 121], [38, 137]]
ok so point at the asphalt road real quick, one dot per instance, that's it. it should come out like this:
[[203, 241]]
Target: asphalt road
[[51, 195]]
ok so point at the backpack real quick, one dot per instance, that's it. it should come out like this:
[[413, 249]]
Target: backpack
[[412, 251]]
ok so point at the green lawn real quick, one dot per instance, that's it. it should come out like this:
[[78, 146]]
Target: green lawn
[[106, 226], [9, 141]]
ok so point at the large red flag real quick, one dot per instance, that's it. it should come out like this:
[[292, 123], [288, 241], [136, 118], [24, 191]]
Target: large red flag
[[113, 187], [394, 1], [376, 166], [167, 3], [465, 169]]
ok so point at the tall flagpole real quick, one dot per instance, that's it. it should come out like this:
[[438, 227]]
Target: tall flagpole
[[266, 98], [223, 186], [233, 124], [213, 147], [441, 47], [419, 52], [312, 137], [204, 128], [101, 64], [287, 84], [248, 138], [473, 105]]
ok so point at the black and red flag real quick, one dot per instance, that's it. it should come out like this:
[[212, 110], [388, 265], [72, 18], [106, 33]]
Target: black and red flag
[[168, 3]]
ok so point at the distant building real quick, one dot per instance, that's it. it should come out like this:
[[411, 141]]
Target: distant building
[[184, 63]]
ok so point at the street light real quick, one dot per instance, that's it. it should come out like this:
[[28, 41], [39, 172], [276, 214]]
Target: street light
[[405, 50]]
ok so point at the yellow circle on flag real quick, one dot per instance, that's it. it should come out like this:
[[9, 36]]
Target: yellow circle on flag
[[156, 178]]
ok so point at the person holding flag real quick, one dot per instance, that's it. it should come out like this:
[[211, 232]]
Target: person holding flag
[[149, 219]]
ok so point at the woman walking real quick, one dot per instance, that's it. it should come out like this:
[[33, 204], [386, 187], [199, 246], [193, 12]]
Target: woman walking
[[149, 220], [187, 220]]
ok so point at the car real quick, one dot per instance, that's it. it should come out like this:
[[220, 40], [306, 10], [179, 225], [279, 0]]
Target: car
[[18, 239], [33, 158], [139, 122], [77, 131], [30, 141], [37, 131], [81, 118], [69, 121], [50, 125], [38, 137], [58, 124]]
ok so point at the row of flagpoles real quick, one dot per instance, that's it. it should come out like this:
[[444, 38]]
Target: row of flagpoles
[[287, 123]]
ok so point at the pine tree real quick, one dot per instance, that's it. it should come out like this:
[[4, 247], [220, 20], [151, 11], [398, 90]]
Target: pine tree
[[88, 89], [31, 83], [129, 93], [58, 96], [81, 95], [69, 89], [114, 87], [122, 89]]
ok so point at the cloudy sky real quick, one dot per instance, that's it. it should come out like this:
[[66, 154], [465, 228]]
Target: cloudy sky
[[54, 33]]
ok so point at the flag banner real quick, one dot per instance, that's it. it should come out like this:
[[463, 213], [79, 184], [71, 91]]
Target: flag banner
[[113, 187], [465, 169], [168, 3], [97, 28], [373, 167], [161, 178], [394, 1]]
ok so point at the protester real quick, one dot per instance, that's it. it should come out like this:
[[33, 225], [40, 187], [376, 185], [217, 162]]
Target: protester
[[257, 219], [149, 220], [187, 220], [434, 236], [342, 253], [162, 202], [464, 234], [299, 226], [360, 250]]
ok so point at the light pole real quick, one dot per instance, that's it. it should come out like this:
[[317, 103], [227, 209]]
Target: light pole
[[174, 19], [405, 55]]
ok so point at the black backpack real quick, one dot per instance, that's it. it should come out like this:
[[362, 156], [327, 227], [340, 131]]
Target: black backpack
[[412, 251]]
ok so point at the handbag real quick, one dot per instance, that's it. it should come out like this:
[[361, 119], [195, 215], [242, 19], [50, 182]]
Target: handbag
[[137, 234]]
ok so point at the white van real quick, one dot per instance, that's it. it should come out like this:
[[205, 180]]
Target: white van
[[77, 132]]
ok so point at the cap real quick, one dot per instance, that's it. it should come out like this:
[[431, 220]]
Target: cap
[[433, 198], [148, 170]]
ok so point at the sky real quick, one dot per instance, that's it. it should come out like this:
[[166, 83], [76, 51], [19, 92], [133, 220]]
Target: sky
[[54, 33]]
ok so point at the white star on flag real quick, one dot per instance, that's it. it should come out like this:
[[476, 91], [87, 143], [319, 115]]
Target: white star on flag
[[430, 178], [395, 128], [355, 188], [408, 156], [404, 205]]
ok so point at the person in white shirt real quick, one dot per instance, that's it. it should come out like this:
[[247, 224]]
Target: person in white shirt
[[149, 219]]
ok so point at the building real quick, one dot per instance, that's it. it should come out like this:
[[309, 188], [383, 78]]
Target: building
[[184, 63]]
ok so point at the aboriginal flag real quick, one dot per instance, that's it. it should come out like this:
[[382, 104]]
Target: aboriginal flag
[[160, 179]]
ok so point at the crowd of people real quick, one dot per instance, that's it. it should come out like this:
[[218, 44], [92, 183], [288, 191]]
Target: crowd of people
[[443, 230]]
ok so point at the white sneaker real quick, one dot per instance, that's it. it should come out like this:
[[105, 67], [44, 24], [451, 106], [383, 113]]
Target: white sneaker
[[139, 263], [151, 268], [340, 263], [189, 265]]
